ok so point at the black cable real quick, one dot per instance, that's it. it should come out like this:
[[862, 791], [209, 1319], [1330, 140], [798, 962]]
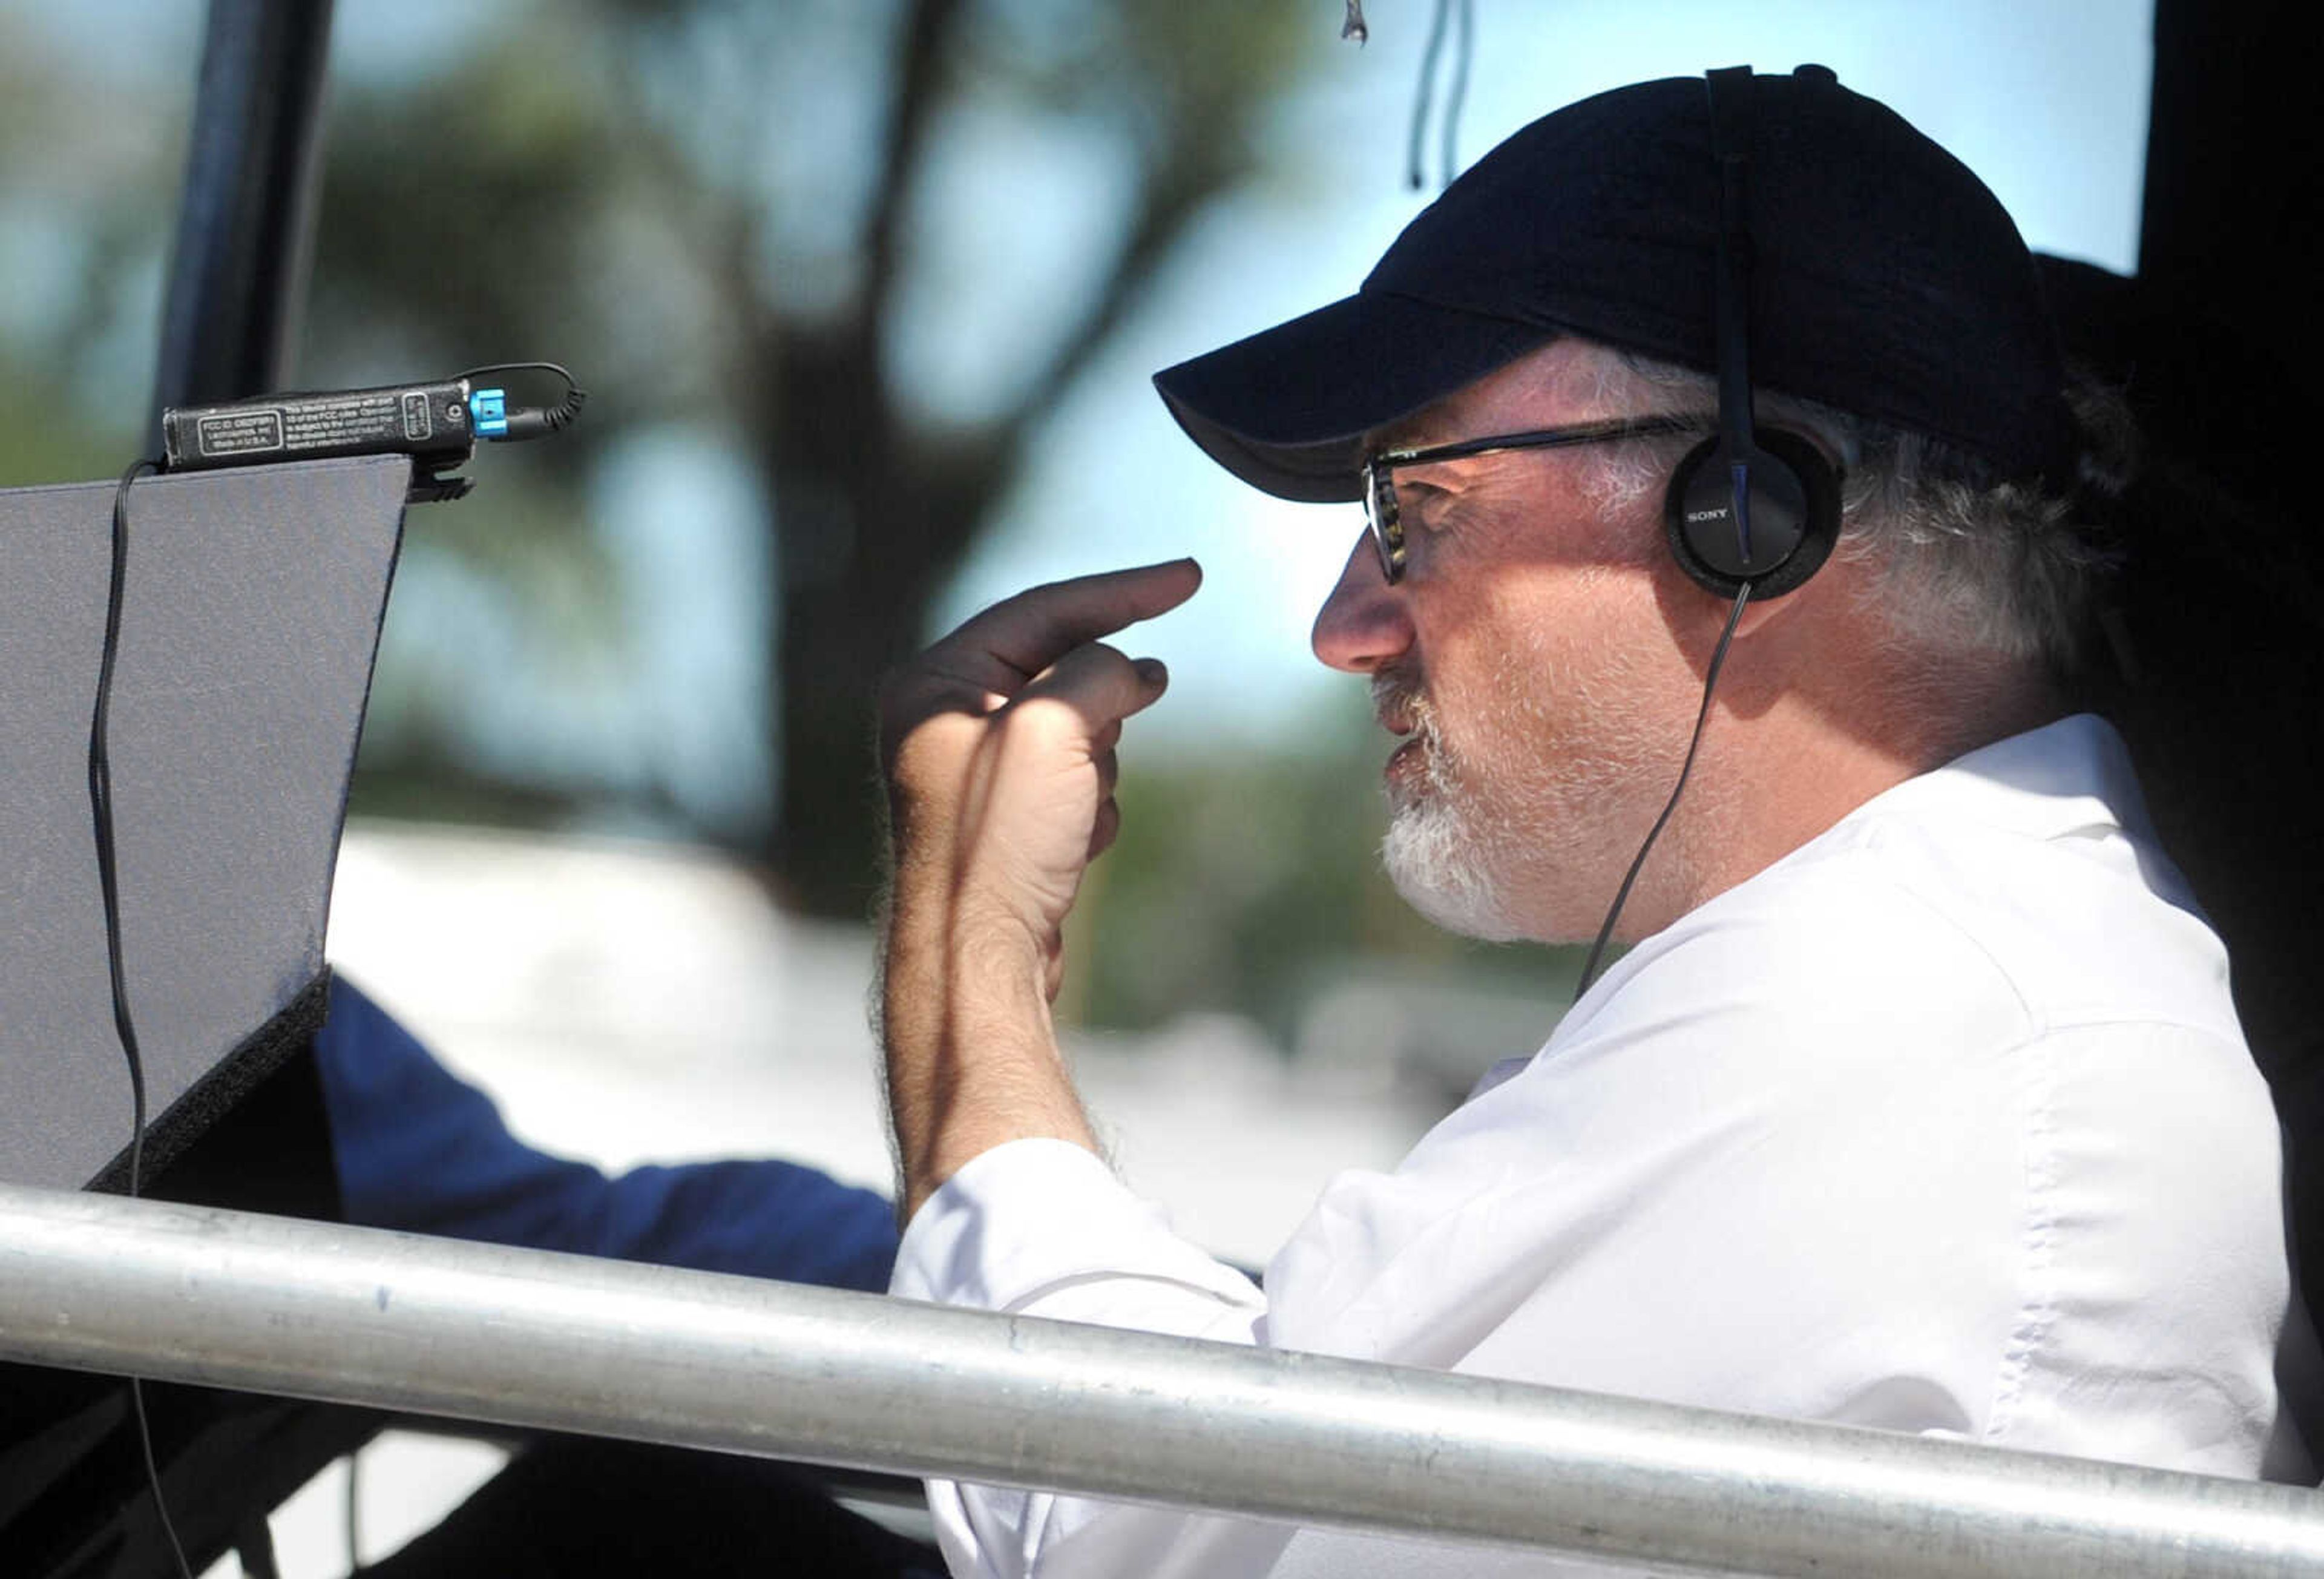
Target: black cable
[[1448, 13], [101, 806], [1428, 87], [536, 421], [558, 368], [1459, 91], [1622, 894]]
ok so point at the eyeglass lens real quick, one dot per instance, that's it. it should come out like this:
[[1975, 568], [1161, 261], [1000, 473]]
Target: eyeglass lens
[[1387, 523]]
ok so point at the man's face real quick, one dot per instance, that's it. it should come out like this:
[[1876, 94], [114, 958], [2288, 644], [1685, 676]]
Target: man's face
[[1527, 658]]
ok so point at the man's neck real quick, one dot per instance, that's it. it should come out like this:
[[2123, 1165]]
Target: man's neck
[[1795, 771]]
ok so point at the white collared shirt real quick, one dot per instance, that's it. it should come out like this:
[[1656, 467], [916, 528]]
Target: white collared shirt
[[1941, 1124]]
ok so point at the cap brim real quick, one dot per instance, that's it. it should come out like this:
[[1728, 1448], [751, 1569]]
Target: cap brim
[[1287, 409]]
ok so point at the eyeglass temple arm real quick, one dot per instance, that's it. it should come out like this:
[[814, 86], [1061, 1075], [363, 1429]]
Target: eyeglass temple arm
[[1543, 438]]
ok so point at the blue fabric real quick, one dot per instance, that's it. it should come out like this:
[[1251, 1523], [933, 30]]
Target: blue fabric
[[418, 1149]]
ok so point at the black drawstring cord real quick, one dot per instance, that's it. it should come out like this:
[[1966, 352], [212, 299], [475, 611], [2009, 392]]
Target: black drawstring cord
[[1458, 93], [1456, 90], [1421, 95]]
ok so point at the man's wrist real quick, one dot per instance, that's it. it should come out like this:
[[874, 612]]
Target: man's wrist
[[973, 1058]]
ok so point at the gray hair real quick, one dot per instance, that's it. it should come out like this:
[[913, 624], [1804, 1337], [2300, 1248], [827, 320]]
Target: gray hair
[[1962, 564]]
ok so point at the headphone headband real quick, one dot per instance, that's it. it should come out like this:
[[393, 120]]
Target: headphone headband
[[1730, 91], [1745, 507]]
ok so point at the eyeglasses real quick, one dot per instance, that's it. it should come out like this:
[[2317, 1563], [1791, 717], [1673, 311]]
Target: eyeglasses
[[1387, 524]]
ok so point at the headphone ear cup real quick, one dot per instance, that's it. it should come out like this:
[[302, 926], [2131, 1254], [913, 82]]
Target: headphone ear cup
[[1794, 516]]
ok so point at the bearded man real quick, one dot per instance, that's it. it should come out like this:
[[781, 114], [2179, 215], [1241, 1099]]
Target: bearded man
[[1919, 1104]]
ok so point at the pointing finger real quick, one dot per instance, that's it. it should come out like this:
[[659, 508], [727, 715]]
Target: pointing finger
[[1009, 644]]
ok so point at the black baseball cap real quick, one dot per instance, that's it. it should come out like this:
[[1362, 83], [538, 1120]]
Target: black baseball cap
[[1887, 280]]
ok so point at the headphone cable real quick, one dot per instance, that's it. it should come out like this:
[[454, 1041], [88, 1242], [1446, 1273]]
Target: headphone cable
[[100, 806], [1702, 717]]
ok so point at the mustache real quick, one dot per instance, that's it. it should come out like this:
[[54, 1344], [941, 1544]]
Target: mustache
[[1401, 701]]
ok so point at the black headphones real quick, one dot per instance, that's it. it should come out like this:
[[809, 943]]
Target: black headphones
[[1749, 505]]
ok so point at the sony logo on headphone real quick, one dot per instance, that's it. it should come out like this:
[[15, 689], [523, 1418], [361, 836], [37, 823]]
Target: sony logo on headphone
[[1718, 514]]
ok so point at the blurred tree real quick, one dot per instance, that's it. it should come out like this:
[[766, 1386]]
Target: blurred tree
[[83, 217], [751, 222], [722, 211]]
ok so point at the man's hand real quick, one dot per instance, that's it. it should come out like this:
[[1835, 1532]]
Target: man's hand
[[997, 743]]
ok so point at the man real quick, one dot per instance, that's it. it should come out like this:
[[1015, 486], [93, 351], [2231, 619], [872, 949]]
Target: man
[[1920, 1103]]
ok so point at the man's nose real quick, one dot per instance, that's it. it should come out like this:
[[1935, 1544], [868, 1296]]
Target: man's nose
[[1364, 622]]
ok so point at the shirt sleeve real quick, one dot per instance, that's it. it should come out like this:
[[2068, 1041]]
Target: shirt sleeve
[[420, 1151], [1043, 1228]]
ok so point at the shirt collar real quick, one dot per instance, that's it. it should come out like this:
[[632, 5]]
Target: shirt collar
[[2072, 776]]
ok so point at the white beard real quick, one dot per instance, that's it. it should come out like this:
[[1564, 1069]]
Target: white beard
[[1494, 850], [1434, 859], [1438, 854]]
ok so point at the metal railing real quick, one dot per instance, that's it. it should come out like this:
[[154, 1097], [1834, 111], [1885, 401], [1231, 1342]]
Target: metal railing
[[696, 1359]]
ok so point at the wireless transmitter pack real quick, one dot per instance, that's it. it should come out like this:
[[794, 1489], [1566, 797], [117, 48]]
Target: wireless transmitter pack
[[437, 424]]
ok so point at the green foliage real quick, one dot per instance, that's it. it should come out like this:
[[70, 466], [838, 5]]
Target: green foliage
[[88, 174], [41, 443]]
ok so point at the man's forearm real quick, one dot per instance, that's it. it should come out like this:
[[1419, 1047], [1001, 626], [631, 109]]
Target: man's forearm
[[972, 1055], [998, 744]]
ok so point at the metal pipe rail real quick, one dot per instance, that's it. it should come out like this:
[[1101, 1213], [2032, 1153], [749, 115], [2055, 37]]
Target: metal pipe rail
[[701, 1360]]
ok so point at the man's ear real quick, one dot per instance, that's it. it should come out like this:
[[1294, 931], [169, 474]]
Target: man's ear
[[1838, 579], [1697, 615], [1770, 614]]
